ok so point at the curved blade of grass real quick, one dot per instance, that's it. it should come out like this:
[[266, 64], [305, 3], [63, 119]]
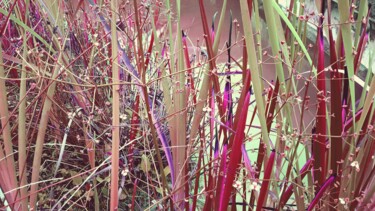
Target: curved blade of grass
[[276, 6], [63, 144], [190, 77], [213, 27], [274, 41], [285, 197], [227, 101], [319, 194], [179, 152]]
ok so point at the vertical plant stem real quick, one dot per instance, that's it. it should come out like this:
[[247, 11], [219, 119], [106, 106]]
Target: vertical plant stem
[[115, 110], [203, 93], [336, 118], [366, 107], [344, 11], [361, 14], [236, 154], [180, 158], [253, 61], [42, 132], [319, 143], [266, 180], [7, 154], [170, 107], [22, 135], [147, 101]]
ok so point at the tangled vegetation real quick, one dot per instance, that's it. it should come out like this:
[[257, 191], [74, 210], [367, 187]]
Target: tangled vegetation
[[113, 105]]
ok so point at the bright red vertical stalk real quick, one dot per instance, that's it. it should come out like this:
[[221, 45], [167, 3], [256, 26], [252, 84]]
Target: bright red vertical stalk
[[213, 78], [197, 176], [134, 194], [235, 155], [190, 79], [262, 151], [336, 109], [266, 180]]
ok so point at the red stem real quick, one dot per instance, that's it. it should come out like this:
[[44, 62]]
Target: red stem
[[266, 180], [235, 155]]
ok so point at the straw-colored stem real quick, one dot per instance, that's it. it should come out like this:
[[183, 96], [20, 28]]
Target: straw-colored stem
[[22, 136], [7, 154], [115, 110], [41, 134]]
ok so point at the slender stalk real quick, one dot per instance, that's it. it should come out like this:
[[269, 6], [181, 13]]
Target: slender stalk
[[361, 14], [236, 154], [6, 158], [336, 118], [115, 111], [22, 135], [344, 11], [321, 191], [179, 154], [42, 133], [266, 180], [253, 62]]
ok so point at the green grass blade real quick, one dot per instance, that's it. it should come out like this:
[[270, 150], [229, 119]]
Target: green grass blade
[[256, 80], [27, 29], [277, 8], [344, 11]]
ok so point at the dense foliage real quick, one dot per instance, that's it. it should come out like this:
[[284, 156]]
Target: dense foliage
[[114, 105]]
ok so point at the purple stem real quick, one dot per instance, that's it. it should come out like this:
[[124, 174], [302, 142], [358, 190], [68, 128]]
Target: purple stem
[[324, 187]]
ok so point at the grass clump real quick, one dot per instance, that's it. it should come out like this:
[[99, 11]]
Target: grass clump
[[112, 105]]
